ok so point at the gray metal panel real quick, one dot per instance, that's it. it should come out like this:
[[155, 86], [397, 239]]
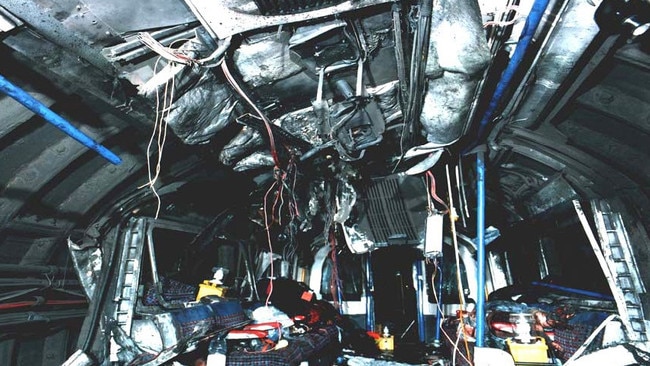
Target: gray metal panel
[[128, 16], [40, 251], [228, 17], [13, 114], [42, 169], [55, 348], [47, 24]]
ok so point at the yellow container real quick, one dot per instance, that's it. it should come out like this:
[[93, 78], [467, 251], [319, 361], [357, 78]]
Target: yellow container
[[208, 288], [386, 343], [535, 351]]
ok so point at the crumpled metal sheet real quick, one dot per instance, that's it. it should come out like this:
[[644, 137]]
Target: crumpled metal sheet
[[303, 123], [357, 241], [225, 18], [87, 262], [265, 61], [246, 141], [446, 107], [201, 112], [309, 32], [146, 335], [346, 197], [259, 159]]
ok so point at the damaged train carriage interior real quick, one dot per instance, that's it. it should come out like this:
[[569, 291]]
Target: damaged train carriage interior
[[324, 182]]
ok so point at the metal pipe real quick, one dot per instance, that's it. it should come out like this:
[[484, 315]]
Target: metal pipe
[[534, 18], [21, 268], [42, 110], [19, 282], [480, 249], [154, 270]]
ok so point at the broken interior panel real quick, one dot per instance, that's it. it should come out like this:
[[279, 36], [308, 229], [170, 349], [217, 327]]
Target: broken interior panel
[[326, 182]]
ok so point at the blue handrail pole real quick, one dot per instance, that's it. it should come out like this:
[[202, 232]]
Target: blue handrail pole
[[420, 274], [439, 305], [480, 249], [532, 23], [370, 288], [42, 110]]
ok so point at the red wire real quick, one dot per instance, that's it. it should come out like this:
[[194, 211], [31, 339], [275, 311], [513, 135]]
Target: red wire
[[434, 195], [269, 289], [24, 304]]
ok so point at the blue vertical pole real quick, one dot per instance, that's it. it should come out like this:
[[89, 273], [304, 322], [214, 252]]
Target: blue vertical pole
[[370, 300], [420, 274], [439, 305], [480, 249]]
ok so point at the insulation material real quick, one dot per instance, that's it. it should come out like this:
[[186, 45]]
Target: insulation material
[[87, 261], [458, 54], [201, 112], [446, 107], [265, 61], [457, 41], [387, 99]]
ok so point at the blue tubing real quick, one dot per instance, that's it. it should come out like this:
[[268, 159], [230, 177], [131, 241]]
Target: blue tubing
[[480, 249], [420, 274], [526, 37], [574, 290], [438, 313], [370, 287], [42, 110]]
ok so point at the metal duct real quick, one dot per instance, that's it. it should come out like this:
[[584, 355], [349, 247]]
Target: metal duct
[[572, 30], [458, 54]]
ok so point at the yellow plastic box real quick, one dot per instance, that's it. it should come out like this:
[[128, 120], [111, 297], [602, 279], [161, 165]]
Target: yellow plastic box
[[386, 343], [535, 351], [208, 288]]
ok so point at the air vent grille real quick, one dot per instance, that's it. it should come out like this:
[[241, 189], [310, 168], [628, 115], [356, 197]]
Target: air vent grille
[[387, 213]]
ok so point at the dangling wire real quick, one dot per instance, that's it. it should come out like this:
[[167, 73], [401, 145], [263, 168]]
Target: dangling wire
[[267, 227], [431, 183], [267, 122], [461, 297], [441, 313], [509, 11], [280, 188], [159, 133], [334, 279]]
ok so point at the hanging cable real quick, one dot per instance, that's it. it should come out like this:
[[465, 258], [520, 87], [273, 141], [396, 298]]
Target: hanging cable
[[437, 298], [452, 220], [181, 56], [431, 182], [280, 188], [417, 78], [159, 133], [461, 202], [462, 187], [267, 122], [510, 11], [267, 227]]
